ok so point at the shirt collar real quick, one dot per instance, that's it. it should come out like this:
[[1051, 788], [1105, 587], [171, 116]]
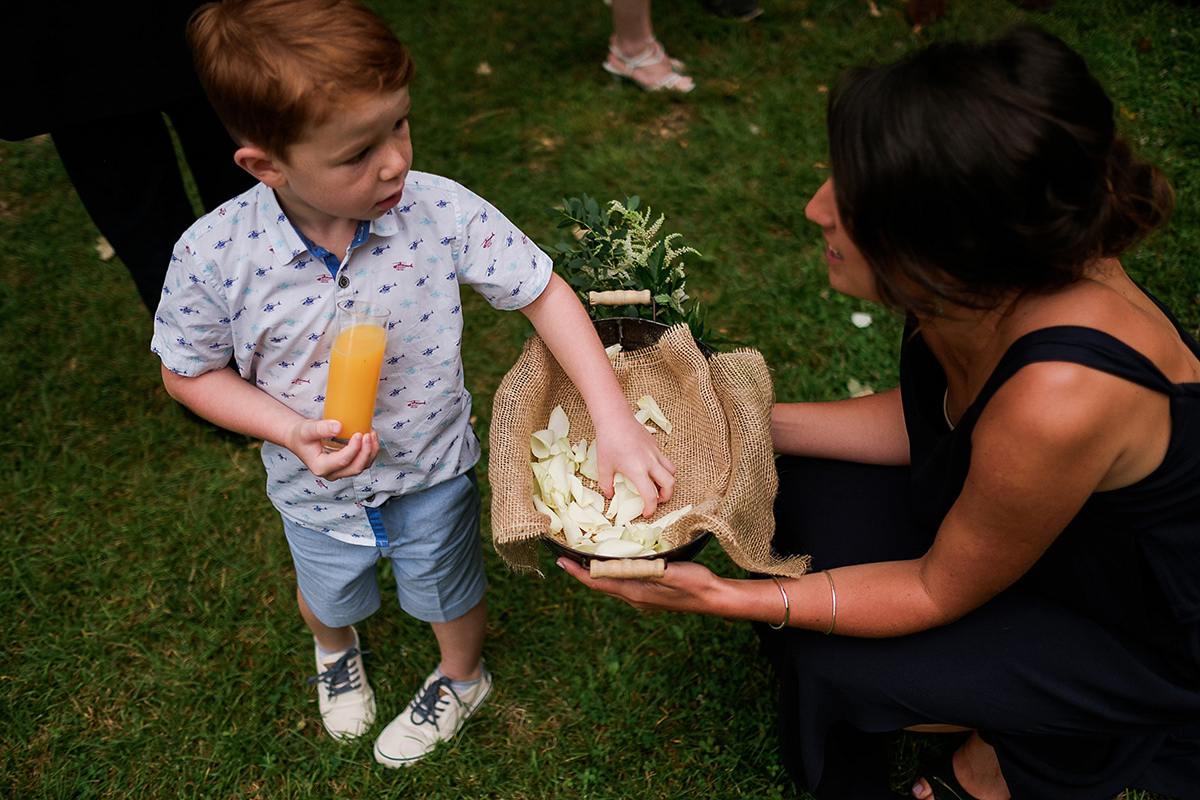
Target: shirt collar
[[291, 245]]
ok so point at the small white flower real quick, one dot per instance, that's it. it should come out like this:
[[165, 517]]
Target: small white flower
[[857, 389], [104, 249], [860, 319]]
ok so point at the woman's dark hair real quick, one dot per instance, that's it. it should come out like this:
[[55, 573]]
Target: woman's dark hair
[[966, 171]]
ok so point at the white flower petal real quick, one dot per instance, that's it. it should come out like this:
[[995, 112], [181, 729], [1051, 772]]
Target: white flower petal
[[555, 523], [571, 530], [540, 442], [589, 468], [592, 498], [559, 423], [650, 406], [619, 548], [667, 520], [586, 517]]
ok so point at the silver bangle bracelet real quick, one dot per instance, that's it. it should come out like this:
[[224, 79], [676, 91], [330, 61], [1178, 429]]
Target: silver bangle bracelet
[[787, 606], [833, 595]]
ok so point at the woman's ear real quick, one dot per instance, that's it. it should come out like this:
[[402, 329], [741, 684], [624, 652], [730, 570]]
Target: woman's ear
[[262, 166]]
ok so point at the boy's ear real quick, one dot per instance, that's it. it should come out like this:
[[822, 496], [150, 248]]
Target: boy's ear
[[262, 166]]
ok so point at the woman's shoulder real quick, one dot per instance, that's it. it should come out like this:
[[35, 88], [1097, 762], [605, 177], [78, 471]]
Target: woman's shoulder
[[1084, 375], [1105, 307], [1086, 414]]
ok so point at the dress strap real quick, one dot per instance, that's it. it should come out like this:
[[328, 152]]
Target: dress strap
[[1075, 344], [1183, 332]]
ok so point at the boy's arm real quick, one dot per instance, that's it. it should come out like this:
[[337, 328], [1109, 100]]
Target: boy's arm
[[622, 443], [225, 399]]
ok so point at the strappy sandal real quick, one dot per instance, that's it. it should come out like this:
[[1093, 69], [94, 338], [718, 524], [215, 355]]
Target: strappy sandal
[[653, 55], [676, 64], [940, 777]]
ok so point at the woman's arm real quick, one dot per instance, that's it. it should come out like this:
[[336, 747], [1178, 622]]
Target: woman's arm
[[865, 429], [1053, 435]]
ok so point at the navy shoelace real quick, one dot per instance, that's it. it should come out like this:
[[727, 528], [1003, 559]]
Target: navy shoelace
[[339, 677], [425, 707]]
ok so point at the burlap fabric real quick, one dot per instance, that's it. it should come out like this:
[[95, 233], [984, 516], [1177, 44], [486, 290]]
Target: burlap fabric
[[720, 444]]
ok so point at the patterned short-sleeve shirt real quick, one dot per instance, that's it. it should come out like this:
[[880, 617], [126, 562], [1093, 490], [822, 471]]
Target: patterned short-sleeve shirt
[[243, 284]]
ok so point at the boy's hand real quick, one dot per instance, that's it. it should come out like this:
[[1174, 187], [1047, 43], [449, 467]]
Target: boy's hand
[[625, 446], [224, 398], [306, 439]]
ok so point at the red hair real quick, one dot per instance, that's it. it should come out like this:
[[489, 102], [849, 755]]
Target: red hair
[[273, 67]]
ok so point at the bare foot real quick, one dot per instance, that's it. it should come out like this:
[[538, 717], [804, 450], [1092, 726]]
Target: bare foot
[[977, 770]]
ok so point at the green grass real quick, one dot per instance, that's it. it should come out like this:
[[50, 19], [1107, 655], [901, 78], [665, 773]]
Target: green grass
[[151, 643]]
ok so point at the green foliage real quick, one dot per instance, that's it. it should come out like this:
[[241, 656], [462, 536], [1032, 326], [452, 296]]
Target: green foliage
[[620, 247]]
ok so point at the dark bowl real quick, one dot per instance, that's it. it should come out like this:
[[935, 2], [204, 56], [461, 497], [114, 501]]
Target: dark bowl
[[684, 552], [633, 333]]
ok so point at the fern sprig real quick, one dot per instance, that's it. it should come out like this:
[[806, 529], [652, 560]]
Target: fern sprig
[[620, 246]]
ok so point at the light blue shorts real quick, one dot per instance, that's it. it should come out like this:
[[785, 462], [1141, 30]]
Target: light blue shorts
[[435, 554]]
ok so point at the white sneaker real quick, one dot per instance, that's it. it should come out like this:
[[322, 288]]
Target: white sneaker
[[435, 714], [345, 698]]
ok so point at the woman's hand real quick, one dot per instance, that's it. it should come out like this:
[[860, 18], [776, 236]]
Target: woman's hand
[[685, 586]]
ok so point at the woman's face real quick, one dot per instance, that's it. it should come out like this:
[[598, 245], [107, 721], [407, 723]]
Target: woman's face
[[849, 272]]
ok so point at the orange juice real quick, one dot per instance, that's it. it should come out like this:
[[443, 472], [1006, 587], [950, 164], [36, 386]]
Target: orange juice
[[354, 378]]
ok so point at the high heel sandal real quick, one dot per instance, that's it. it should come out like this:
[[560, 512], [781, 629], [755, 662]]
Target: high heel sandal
[[942, 780], [653, 55]]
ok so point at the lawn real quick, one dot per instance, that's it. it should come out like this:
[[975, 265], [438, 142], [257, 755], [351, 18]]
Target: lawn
[[152, 648]]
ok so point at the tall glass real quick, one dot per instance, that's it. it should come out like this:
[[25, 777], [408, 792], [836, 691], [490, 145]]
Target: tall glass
[[354, 365]]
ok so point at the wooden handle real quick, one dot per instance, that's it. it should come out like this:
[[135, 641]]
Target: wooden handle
[[620, 297], [634, 568]]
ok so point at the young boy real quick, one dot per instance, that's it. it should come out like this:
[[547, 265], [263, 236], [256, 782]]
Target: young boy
[[316, 94]]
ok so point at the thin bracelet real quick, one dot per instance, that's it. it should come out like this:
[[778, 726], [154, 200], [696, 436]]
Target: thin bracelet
[[833, 594], [787, 607]]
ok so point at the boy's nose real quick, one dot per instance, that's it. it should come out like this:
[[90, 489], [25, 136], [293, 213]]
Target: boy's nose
[[394, 163]]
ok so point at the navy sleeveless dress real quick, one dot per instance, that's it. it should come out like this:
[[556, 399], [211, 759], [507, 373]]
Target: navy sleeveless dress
[[1085, 675]]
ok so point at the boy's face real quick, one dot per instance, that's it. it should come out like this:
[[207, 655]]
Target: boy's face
[[352, 166]]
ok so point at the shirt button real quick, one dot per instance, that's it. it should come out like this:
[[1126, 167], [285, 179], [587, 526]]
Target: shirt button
[[343, 282]]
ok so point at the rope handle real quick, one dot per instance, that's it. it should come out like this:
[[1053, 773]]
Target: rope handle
[[620, 297], [631, 568]]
